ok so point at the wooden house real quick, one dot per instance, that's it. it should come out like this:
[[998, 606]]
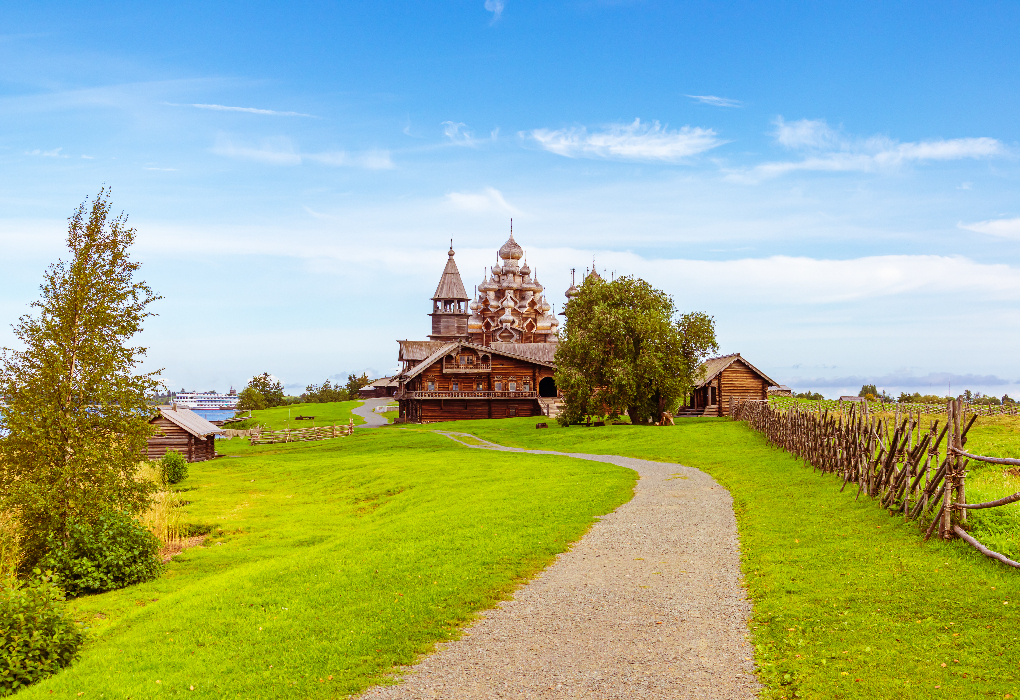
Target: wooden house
[[462, 381], [184, 431], [379, 389], [720, 378]]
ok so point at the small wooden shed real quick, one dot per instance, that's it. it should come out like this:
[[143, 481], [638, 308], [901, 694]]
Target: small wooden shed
[[720, 378], [184, 431]]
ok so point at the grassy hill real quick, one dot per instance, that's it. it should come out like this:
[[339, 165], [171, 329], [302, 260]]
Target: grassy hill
[[324, 414], [329, 563]]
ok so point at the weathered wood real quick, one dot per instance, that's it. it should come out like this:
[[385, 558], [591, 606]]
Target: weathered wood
[[991, 504], [963, 535]]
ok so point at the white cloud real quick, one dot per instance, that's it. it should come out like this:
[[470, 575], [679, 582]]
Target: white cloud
[[828, 150], [634, 141], [489, 200], [716, 101], [280, 150], [249, 110], [496, 8], [55, 153], [1004, 228]]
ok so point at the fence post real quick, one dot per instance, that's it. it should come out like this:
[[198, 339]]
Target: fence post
[[952, 425]]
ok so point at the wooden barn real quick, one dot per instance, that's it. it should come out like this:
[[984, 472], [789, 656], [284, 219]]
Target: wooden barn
[[184, 431], [379, 389], [461, 381], [728, 376]]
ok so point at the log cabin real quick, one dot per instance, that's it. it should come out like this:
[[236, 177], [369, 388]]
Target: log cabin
[[184, 431], [490, 358], [720, 378]]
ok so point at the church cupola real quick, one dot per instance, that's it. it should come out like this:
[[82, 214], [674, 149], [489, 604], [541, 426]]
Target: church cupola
[[450, 304]]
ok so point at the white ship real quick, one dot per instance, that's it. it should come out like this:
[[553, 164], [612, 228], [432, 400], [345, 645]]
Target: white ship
[[206, 400]]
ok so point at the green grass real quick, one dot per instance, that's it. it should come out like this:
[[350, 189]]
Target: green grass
[[848, 602], [330, 563], [325, 414]]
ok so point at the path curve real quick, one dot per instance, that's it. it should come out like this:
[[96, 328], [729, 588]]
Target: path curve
[[367, 411], [648, 604]]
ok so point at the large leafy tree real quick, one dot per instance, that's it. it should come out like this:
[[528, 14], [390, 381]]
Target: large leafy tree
[[625, 349], [354, 382], [74, 414], [263, 391]]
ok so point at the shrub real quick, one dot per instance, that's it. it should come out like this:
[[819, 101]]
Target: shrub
[[114, 552], [173, 467], [37, 637]]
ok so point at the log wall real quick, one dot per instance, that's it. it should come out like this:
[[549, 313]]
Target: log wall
[[172, 436], [741, 382]]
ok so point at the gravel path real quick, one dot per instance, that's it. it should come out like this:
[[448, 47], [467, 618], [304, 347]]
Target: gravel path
[[367, 411], [648, 604]]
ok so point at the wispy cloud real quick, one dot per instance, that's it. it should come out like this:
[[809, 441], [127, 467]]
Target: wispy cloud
[[249, 110], [55, 153], [496, 8], [280, 150], [829, 150], [634, 141], [458, 134], [1004, 228], [716, 101], [488, 200]]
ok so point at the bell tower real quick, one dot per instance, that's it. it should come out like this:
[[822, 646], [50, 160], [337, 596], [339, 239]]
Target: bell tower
[[449, 305]]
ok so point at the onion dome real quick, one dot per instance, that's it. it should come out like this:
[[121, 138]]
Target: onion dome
[[488, 285], [474, 306], [525, 270], [572, 292], [510, 250]]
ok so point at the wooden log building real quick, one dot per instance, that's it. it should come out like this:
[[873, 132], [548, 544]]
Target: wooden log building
[[184, 431], [727, 376]]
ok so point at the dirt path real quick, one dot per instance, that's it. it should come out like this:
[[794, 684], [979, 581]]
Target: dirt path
[[648, 604], [367, 411]]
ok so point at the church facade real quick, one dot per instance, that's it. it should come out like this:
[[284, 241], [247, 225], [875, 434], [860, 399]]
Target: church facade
[[488, 356]]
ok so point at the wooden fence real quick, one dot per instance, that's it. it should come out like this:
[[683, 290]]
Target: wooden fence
[[904, 465], [931, 409], [268, 437]]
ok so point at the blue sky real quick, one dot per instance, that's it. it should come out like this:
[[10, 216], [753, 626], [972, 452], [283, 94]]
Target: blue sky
[[836, 183]]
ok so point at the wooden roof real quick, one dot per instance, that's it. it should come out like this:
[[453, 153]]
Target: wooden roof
[[418, 349], [711, 368], [450, 284], [188, 420], [448, 348], [541, 352], [383, 382]]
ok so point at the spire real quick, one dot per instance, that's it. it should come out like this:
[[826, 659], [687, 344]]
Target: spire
[[450, 285]]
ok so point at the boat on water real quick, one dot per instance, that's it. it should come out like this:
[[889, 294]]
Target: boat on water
[[206, 400]]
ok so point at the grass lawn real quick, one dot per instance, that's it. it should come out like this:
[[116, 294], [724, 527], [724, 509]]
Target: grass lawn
[[330, 563], [325, 414], [848, 602]]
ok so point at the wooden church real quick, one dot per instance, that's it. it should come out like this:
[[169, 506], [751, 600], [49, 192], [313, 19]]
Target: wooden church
[[491, 356]]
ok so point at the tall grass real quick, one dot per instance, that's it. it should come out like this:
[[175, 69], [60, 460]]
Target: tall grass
[[10, 547], [165, 516]]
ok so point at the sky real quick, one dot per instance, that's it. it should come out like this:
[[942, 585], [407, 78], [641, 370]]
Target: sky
[[836, 183]]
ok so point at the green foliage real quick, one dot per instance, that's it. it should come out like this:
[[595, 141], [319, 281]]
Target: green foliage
[[251, 400], [325, 414], [74, 410], [262, 392], [868, 390], [173, 467], [325, 393], [810, 396], [917, 397], [37, 636], [10, 547], [114, 552], [621, 350], [350, 562], [354, 382]]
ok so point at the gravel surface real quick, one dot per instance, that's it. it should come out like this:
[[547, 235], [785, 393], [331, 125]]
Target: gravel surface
[[367, 411], [648, 604]]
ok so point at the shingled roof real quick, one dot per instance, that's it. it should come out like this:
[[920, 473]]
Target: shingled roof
[[447, 348], [542, 352], [711, 367], [190, 421], [418, 349], [450, 284]]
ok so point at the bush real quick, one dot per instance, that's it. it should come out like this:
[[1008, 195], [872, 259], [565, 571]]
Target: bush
[[173, 467], [115, 552], [37, 637], [10, 547]]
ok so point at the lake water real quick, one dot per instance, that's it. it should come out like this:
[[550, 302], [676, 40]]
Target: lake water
[[210, 415]]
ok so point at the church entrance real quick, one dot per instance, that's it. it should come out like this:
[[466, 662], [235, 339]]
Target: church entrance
[[547, 387]]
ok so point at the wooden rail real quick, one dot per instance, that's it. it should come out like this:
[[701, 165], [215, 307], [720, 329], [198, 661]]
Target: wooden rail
[[269, 437], [900, 463]]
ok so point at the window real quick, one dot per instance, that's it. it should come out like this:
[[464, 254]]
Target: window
[[526, 386], [499, 386], [463, 360], [454, 386], [512, 386], [432, 385], [511, 411], [479, 386]]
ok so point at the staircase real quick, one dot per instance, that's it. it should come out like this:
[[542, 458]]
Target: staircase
[[551, 406], [697, 412]]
